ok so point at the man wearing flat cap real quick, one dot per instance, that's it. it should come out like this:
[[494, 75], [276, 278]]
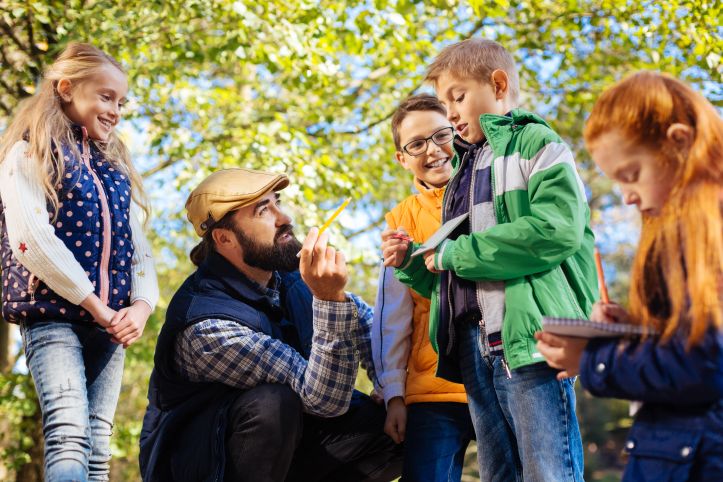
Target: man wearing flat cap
[[255, 366]]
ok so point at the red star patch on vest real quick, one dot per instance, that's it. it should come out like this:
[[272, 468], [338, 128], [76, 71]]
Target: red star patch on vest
[[23, 248]]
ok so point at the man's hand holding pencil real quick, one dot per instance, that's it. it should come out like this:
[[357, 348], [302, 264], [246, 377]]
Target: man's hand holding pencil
[[322, 267]]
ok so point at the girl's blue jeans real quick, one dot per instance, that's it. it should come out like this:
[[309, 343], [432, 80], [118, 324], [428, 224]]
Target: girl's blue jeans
[[526, 425], [77, 371]]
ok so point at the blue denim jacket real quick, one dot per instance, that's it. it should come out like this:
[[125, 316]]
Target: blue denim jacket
[[678, 434]]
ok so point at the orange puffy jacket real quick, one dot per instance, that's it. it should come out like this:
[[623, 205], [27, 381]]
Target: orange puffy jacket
[[420, 215]]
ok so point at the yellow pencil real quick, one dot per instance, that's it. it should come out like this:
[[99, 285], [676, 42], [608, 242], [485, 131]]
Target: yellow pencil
[[331, 219], [333, 216]]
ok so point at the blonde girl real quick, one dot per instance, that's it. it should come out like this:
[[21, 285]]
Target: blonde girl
[[77, 271]]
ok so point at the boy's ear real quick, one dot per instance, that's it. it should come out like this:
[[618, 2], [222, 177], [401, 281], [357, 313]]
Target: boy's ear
[[501, 83], [681, 136], [399, 156], [64, 88]]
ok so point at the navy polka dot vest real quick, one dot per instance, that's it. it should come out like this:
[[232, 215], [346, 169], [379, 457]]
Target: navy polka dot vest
[[93, 222]]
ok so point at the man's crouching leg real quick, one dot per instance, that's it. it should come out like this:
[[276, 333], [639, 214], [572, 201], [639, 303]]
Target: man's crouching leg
[[349, 448], [264, 429]]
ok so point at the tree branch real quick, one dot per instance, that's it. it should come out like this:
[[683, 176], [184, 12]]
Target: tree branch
[[9, 32], [477, 27], [31, 41], [379, 222], [158, 167], [5, 108], [6, 86]]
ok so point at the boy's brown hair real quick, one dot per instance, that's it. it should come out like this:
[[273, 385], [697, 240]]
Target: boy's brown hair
[[414, 103], [475, 58]]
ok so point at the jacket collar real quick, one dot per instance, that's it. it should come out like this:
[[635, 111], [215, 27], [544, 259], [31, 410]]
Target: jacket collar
[[431, 196], [218, 270], [498, 131]]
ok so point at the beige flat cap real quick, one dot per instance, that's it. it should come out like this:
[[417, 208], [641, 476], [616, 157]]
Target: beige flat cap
[[227, 190]]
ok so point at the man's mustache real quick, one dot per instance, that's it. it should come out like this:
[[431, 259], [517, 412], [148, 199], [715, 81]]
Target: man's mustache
[[285, 229]]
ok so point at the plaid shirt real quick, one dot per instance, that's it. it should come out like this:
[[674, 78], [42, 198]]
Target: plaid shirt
[[226, 352]]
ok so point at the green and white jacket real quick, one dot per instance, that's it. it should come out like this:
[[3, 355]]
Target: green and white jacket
[[530, 250]]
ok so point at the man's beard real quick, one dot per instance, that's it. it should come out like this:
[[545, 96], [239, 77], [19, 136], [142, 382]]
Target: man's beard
[[274, 257]]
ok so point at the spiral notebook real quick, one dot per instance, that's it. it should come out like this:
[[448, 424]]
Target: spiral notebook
[[591, 329]]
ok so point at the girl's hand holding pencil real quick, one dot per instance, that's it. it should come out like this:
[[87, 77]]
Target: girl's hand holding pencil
[[604, 310]]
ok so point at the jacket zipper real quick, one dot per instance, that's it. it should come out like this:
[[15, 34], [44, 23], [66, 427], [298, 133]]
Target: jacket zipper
[[445, 198], [473, 166], [450, 327], [105, 215], [33, 283]]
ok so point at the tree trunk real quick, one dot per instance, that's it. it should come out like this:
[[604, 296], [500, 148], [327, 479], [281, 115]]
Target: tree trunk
[[5, 341], [33, 470]]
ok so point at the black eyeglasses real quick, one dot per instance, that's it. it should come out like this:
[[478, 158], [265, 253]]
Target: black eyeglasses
[[418, 147]]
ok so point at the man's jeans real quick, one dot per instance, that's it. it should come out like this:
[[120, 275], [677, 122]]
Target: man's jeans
[[526, 425], [269, 438], [77, 371], [437, 437]]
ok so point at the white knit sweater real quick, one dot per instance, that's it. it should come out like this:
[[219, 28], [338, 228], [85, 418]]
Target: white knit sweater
[[46, 256]]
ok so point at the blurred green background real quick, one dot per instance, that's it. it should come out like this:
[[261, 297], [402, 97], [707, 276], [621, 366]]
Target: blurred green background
[[308, 88]]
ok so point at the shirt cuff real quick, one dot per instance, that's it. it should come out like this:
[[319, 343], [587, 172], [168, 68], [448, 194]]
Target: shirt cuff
[[394, 387], [339, 317], [411, 247], [443, 256]]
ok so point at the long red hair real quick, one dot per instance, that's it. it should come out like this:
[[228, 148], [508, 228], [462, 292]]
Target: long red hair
[[681, 250]]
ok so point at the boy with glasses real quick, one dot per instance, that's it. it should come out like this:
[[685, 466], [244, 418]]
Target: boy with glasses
[[429, 414], [525, 251]]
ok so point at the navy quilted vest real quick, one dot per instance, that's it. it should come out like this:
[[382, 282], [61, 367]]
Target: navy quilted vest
[[93, 222]]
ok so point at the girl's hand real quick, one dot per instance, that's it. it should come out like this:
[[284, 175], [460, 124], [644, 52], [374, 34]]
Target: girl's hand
[[396, 423], [561, 352], [395, 243], [128, 323], [101, 313], [609, 312], [429, 261]]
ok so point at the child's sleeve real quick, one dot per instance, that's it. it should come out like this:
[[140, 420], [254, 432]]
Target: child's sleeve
[[655, 372], [391, 334], [144, 285], [413, 272], [552, 231], [32, 238]]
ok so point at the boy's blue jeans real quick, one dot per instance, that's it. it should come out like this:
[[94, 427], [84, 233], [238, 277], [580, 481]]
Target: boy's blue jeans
[[77, 371], [526, 425], [437, 437]]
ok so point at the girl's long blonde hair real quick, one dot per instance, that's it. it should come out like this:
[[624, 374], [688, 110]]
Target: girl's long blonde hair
[[680, 257], [40, 119]]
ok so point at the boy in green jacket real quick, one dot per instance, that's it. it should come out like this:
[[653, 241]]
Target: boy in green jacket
[[525, 251]]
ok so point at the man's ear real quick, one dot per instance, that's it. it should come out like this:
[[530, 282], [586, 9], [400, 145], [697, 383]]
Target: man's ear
[[222, 238], [64, 88], [501, 83], [681, 136]]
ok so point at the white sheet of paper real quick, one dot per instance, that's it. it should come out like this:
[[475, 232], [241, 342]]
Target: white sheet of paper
[[440, 235]]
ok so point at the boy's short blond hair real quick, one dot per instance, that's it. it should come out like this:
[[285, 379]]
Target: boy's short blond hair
[[475, 58]]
